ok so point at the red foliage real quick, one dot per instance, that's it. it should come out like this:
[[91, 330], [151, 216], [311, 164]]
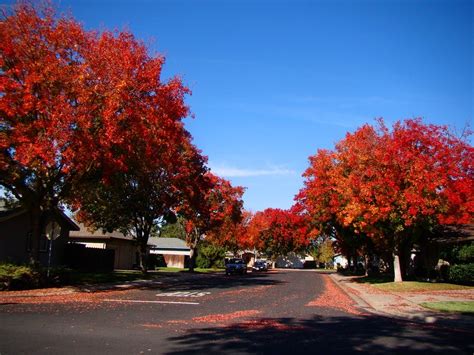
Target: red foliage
[[215, 209], [277, 231], [380, 180], [73, 102]]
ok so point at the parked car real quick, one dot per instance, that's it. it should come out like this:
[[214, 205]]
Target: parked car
[[260, 265], [235, 266]]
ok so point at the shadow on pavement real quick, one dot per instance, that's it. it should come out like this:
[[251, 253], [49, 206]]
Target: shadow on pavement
[[324, 335], [189, 282]]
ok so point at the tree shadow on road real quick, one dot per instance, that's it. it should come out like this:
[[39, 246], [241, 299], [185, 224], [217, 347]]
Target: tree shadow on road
[[324, 335], [189, 282]]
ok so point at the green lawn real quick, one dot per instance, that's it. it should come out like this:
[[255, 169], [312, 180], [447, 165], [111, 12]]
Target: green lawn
[[452, 306], [414, 286]]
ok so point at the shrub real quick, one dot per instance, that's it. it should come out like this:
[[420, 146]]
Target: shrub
[[14, 277], [21, 277], [466, 253], [210, 256], [462, 274]]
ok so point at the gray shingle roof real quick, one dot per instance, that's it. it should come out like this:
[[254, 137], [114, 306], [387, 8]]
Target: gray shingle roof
[[86, 233], [167, 243]]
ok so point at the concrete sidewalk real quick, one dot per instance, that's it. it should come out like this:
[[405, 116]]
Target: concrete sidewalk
[[405, 305]]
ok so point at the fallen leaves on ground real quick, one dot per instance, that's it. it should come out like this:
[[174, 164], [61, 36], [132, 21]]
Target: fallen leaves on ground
[[218, 318], [266, 324], [241, 291], [334, 297]]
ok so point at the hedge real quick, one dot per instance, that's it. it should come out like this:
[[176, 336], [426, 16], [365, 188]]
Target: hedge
[[462, 274], [21, 277], [14, 277]]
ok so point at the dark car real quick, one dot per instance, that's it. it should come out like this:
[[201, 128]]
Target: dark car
[[235, 266], [260, 265]]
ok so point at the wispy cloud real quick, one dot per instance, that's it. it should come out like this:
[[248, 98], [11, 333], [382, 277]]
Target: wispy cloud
[[227, 171]]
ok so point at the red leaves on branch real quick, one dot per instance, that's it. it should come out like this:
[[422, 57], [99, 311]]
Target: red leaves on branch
[[379, 179], [81, 107], [73, 99], [214, 209], [277, 231]]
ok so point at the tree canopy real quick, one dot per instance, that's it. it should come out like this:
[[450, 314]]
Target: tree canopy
[[390, 184]]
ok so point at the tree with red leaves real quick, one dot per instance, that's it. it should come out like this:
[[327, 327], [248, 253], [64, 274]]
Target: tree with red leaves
[[211, 210], [77, 106], [277, 232], [392, 184], [232, 234], [140, 200]]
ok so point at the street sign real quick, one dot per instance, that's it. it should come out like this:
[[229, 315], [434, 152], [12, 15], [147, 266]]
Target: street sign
[[53, 230]]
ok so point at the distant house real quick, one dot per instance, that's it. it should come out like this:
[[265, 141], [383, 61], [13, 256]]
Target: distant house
[[123, 246], [16, 241], [290, 261], [174, 251]]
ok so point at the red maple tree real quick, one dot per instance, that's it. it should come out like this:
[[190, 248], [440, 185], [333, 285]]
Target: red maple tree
[[388, 184], [211, 210], [276, 231], [77, 105]]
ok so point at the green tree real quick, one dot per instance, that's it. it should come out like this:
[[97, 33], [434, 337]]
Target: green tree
[[174, 229], [322, 250], [210, 256]]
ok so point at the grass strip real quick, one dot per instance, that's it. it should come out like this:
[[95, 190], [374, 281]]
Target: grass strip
[[466, 307]]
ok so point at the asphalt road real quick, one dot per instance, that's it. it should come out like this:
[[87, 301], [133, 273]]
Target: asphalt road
[[267, 313]]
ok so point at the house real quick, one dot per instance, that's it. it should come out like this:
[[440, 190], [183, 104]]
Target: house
[[15, 237], [174, 251], [290, 261], [124, 246]]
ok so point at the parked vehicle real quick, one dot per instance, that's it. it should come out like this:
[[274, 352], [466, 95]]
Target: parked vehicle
[[260, 265], [235, 266]]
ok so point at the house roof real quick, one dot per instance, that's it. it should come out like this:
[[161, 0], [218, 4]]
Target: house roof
[[167, 243], [455, 233], [86, 233], [8, 213]]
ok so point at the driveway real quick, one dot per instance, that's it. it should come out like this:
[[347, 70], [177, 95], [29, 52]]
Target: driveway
[[273, 313]]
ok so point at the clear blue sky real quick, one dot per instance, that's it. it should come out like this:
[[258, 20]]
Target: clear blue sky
[[273, 81]]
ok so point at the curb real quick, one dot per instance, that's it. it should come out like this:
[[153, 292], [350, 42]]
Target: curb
[[426, 318], [360, 302]]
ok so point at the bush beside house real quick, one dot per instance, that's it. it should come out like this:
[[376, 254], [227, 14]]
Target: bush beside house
[[210, 256]]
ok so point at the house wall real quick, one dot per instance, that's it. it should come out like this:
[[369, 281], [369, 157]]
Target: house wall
[[13, 239], [174, 260], [57, 249], [14, 242], [125, 252], [291, 260]]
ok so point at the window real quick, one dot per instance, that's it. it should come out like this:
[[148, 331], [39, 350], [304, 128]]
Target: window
[[44, 243]]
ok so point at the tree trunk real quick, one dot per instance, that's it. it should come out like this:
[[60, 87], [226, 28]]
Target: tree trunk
[[366, 257], [143, 258], [396, 267], [192, 257]]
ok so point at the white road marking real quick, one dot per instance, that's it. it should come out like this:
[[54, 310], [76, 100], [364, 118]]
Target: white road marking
[[183, 294], [144, 301]]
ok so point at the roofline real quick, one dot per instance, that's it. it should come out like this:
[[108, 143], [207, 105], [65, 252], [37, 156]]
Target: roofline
[[13, 215], [170, 249], [104, 237], [73, 226]]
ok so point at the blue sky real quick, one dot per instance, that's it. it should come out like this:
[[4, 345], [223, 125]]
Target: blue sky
[[273, 81]]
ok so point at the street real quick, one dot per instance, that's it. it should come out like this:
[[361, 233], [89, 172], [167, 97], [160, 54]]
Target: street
[[276, 312]]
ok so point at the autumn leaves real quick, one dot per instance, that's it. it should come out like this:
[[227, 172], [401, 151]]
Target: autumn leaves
[[390, 185]]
